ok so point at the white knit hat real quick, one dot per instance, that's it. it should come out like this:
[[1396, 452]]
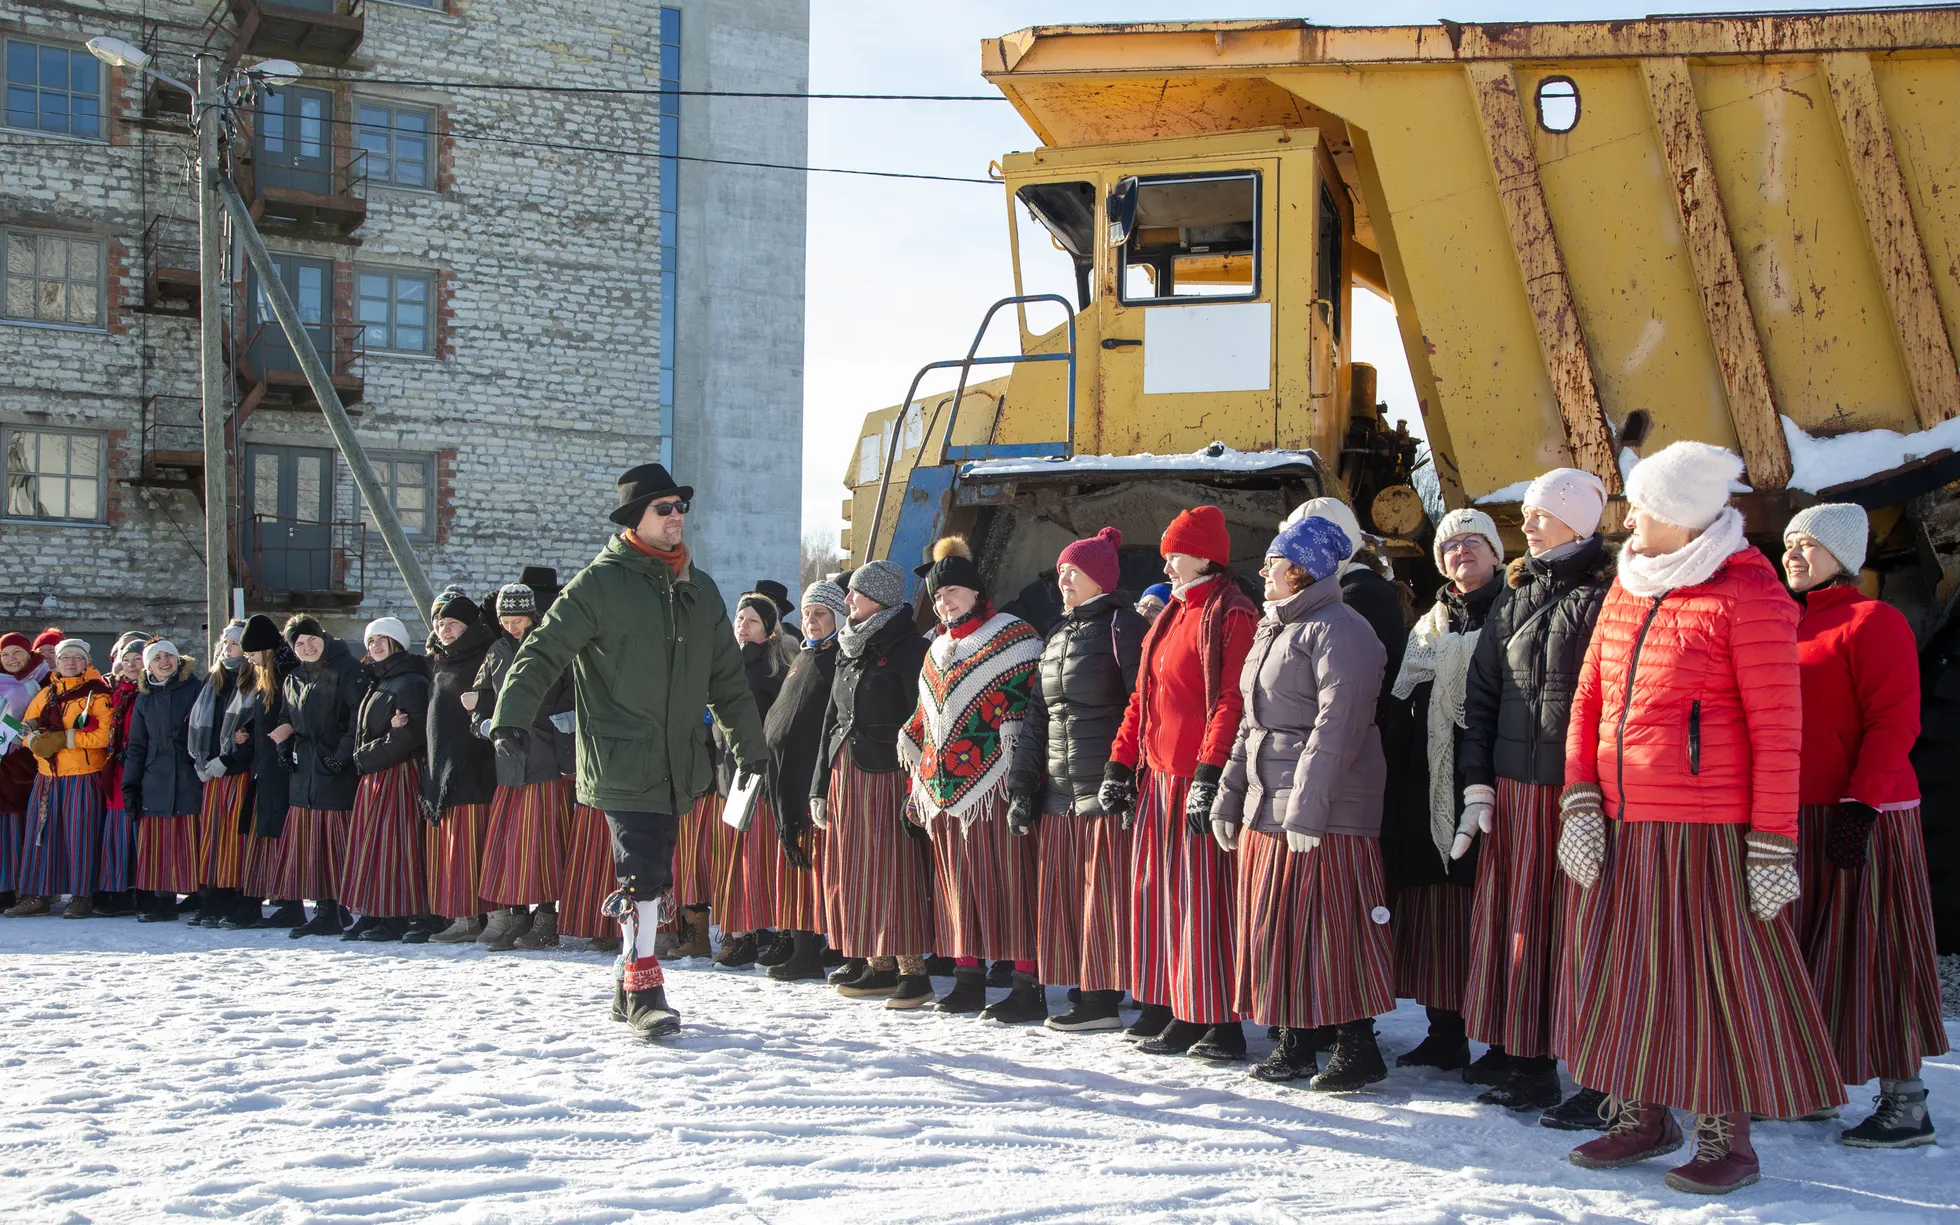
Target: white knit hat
[[1335, 512], [1840, 527], [1467, 521], [387, 627], [1685, 483], [71, 645], [1574, 498], [159, 647]]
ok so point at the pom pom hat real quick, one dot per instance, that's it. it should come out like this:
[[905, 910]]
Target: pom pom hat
[[1685, 483], [1096, 557], [1199, 532], [1839, 526], [951, 566]]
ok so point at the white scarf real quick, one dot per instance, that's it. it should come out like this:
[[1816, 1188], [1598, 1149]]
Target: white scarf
[[1441, 657], [1690, 565]]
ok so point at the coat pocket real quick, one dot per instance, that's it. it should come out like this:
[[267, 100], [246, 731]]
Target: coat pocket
[[1694, 738]]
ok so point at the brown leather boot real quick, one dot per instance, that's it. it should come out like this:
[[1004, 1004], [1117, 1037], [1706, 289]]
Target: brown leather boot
[[694, 943], [1724, 1157], [1639, 1130]]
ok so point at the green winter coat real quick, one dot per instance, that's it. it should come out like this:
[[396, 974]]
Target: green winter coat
[[648, 653]]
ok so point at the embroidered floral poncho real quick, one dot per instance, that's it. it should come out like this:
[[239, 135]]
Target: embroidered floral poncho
[[973, 694]]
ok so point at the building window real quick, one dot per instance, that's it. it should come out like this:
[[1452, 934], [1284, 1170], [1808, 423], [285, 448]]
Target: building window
[[53, 89], [51, 278], [396, 140], [670, 189], [54, 475], [393, 311], [410, 482]]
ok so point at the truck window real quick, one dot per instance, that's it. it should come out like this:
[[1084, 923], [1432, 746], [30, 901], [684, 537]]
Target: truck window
[[1060, 257], [1196, 238], [1328, 281]]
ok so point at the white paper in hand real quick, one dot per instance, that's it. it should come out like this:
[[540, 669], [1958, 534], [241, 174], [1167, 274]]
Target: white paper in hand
[[742, 801]]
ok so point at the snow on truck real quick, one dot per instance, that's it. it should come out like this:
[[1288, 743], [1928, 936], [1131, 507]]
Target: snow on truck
[[1597, 237]]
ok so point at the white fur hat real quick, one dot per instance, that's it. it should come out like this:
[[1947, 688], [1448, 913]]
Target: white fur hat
[[1466, 522], [1335, 512], [1685, 483], [1574, 498], [387, 627], [1840, 527]]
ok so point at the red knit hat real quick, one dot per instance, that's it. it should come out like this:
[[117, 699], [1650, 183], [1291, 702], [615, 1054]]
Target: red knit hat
[[1199, 532], [1096, 557], [49, 637]]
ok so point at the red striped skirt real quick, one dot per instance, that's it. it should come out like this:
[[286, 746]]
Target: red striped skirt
[[1868, 938], [1514, 923], [875, 880], [453, 849], [986, 880], [314, 854], [1083, 910], [1680, 996], [701, 852], [117, 863], [1310, 952], [1181, 928], [524, 848], [762, 889], [588, 876], [383, 876], [1430, 932], [166, 854], [220, 843], [61, 836]]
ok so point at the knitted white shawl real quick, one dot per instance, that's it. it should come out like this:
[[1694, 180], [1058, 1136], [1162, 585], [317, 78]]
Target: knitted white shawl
[[1437, 655]]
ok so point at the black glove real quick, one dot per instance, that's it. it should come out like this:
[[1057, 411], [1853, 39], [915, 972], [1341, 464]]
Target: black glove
[[789, 831], [912, 826], [1850, 835], [745, 776], [1021, 814], [1197, 802], [510, 741], [1118, 793]]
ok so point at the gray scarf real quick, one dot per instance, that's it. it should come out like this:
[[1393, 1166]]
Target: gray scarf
[[852, 639]]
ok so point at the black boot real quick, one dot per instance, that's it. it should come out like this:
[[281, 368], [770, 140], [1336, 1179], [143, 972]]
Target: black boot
[[1292, 1059], [421, 927], [1000, 974], [912, 991], [1444, 1048], [969, 993], [1093, 1010], [870, 984], [805, 960], [831, 958], [1222, 1043], [650, 1016], [940, 967], [157, 908], [326, 920], [774, 948], [115, 904], [7, 899], [1580, 1112], [286, 914], [359, 928], [211, 909], [1175, 1039], [1149, 1024], [1533, 1086], [1493, 1067], [385, 931], [737, 952], [1025, 1002], [850, 971], [1357, 1061]]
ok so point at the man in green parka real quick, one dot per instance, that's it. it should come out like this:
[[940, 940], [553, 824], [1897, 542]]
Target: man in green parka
[[648, 640]]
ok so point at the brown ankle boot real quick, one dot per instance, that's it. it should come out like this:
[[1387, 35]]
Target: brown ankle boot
[[1638, 1130], [1724, 1158], [694, 939]]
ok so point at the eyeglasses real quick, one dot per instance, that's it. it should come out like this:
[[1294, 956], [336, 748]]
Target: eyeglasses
[[663, 509], [1461, 544]]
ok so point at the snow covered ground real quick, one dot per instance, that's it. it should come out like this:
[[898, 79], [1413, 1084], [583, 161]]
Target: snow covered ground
[[158, 1073]]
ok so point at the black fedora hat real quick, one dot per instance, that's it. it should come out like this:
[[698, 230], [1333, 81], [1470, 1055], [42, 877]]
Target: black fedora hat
[[775, 591], [641, 485]]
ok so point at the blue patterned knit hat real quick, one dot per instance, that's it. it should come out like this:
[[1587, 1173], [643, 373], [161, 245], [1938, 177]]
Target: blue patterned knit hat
[[1314, 545]]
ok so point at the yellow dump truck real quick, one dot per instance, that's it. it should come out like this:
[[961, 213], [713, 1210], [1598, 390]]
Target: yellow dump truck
[[1597, 237]]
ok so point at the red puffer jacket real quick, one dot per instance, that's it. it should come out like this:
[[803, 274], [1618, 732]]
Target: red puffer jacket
[[1689, 706], [1860, 700]]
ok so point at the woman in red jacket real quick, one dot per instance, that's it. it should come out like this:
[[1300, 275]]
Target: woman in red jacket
[[1865, 919], [1178, 731], [1684, 984]]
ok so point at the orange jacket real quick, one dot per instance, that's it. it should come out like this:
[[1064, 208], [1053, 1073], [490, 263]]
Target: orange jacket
[[1690, 706], [81, 705]]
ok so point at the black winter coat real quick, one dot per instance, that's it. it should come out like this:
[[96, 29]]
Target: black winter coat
[[462, 766], [159, 779], [793, 730], [1936, 759], [1380, 605], [1409, 855], [872, 697], [320, 700], [269, 765], [546, 750], [1526, 668], [1082, 687], [765, 664], [397, 683]]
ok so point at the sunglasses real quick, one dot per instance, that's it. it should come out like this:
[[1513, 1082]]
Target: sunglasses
[[663, 509]]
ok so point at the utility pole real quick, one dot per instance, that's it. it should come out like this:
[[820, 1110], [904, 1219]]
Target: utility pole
[[208, 115]]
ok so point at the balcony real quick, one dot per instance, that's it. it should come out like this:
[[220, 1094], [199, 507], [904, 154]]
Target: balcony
[[310, 31], [269, 374], [303, 563], [316, 191], [173, 443], [170, 272]]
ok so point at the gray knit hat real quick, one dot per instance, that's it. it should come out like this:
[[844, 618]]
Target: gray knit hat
[[516, 600], [1840, 527], [881, 582], [826, 595]]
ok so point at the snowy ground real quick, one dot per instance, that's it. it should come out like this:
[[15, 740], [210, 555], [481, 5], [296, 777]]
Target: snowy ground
[[157, 1073]]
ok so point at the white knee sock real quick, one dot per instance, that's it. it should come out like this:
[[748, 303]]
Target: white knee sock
[[646, 928]]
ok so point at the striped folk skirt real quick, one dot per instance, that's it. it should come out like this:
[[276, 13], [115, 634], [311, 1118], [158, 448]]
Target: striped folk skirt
[[220, 842], [588, 876], [1184, 890], [524, 848], [453, 848], [116, 862], [1083, 909], [1679, 995], [874, 880], [1430, 932], [166, 854], [11, 824], [985, 881], [61, 836], [382, 876], [313, 854], [1868, 938], [1313, 946], [1514, 924], [701, 853], [760, 888]]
